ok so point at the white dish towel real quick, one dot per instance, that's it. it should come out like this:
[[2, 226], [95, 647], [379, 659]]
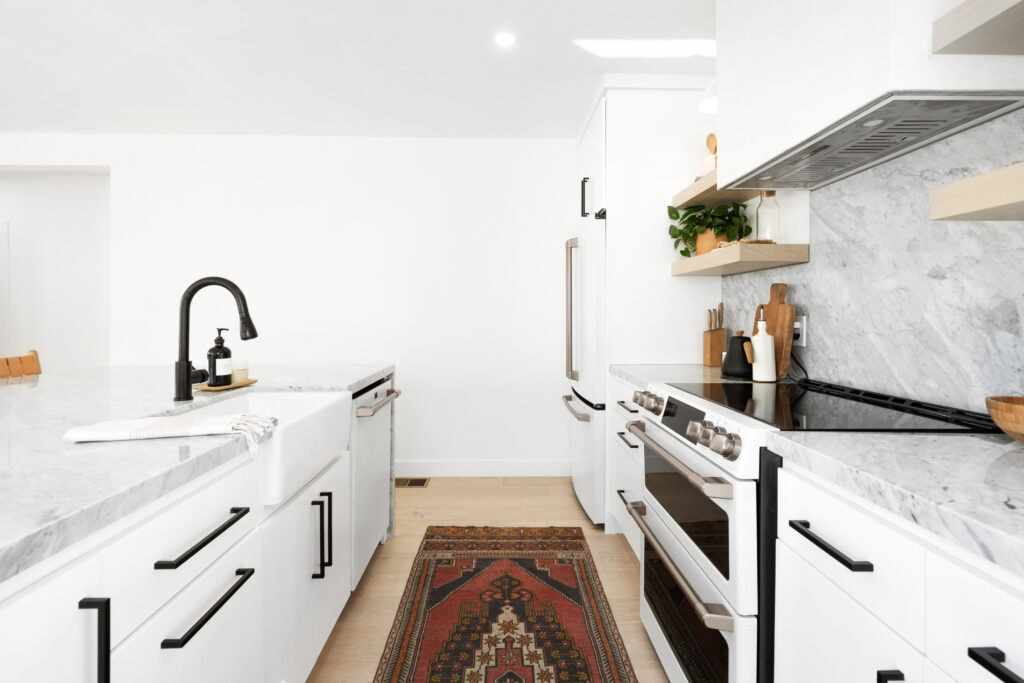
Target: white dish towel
[[252, 427]]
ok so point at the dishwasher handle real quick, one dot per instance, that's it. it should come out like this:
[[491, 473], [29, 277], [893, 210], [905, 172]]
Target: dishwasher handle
[[370, 411]]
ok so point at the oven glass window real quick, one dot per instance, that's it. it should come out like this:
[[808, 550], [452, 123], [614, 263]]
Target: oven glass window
[[703, 653], [705, 523]]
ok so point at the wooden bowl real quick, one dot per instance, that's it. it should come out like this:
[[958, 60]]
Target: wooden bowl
[[1008, 413]]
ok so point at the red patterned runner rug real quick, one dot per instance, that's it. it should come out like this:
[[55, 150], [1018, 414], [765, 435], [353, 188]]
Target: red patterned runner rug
[[504, 605]]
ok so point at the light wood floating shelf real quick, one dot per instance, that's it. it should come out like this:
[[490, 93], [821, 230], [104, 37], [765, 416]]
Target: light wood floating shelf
[[994, 196], [981, 27], [705, 191], [743, 258]]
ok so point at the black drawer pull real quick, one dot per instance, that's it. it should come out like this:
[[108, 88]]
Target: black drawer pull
[[102, 607], [236, 514], [627, 408], [175, 643], [330, 527], [803, 528], [320, 573], [890, 675], [991, 659], [622, 435], [583, 197]]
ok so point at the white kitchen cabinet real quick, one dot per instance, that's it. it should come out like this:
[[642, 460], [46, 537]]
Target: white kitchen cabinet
[[624, 457], [184, 539], [837, 533], [370, 449], [45, 636], [210, 632], [822, 634], [305, 594], [590, 164], [968, 612], [790, 68], [933, 674]]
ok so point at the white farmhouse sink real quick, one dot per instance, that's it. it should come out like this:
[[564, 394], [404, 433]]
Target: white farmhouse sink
[[312, 429]]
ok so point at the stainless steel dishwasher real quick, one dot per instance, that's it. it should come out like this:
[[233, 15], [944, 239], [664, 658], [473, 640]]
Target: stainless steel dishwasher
[[370, 447]]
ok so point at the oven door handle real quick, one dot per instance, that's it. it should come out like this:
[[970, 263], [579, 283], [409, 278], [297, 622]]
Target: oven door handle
[[712, 615], [712, 487]]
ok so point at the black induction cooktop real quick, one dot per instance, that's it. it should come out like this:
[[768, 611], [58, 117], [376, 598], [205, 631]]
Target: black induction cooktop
[[809, 405]]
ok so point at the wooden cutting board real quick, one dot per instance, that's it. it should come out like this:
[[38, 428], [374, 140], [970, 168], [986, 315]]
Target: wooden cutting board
[[780, 317]]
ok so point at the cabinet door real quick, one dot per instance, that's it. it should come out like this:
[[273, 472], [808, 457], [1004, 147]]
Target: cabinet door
[[371, 480], [304, 596], [209, 632], [330, 594], [933, 674], [822, 634], [590, 164], [46, 636]]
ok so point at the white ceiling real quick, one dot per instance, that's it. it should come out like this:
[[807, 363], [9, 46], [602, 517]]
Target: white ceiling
[[322, 67]]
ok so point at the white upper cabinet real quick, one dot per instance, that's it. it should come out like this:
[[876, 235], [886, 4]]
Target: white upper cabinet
[[789, 69]]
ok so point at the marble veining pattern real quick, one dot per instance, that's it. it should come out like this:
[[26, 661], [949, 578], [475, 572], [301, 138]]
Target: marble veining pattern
[[967, 489], [897, 303], [54, 493]]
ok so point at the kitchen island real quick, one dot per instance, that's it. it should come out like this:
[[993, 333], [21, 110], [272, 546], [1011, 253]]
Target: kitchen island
[[54, 494]]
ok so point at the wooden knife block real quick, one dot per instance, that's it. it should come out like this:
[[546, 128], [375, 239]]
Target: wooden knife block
[[714, 347]]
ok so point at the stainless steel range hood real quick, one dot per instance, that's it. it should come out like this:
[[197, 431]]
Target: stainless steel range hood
[[892, 125]]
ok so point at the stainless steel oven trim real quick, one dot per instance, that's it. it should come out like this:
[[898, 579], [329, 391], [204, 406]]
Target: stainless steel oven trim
[[714, 615], [712, 487]]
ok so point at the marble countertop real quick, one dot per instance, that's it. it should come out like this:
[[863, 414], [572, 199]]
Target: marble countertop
[[54, 493], [966, 489]]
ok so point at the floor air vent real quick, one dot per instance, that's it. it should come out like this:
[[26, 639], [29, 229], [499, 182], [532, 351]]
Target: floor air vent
[[411, 483]]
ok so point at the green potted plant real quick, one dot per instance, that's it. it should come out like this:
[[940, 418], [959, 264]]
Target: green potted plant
[[699, 229]]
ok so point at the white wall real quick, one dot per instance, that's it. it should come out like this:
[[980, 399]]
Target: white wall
[[55, 268], [444, 257]]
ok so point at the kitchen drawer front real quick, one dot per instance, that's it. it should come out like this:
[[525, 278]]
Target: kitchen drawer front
[[628, 476], [891, 588], [965, 611], [621, 399], [226, 647], [822, 634], [136, 588], [46, 637]]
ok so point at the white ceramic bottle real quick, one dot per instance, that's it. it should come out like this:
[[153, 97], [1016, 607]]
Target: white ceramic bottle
[[764, 352]]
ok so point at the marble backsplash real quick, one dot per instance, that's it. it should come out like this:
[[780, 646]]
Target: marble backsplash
[[900, 304]]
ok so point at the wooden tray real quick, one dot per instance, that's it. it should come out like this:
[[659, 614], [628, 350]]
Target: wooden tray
[[206, 387]]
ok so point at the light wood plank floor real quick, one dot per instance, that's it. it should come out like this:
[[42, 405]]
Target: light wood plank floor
[[355, 646]]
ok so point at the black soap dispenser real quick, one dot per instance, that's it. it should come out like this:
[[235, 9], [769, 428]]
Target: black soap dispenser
[[219, 358]]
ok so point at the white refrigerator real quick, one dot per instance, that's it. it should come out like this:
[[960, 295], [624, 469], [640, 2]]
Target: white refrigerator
[[585, 366]]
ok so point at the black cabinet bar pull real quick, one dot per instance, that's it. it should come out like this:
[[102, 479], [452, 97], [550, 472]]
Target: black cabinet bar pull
[[583, 197], [102, 607], [319, 574], [175, 643], [803, 528], [622, 435], [627, 408], [330, 527], [236, 514], [888, 675], [991, 659]]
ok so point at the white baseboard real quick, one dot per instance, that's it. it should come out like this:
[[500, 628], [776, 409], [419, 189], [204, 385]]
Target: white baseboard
[[482, 468]]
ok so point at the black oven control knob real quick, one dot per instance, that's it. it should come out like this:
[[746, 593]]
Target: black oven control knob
[[726, 445]]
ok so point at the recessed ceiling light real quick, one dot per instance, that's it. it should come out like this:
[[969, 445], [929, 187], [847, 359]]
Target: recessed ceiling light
[[648, 49], [505, 39]]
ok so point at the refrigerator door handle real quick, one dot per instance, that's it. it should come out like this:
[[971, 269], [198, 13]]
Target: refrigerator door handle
[[570, 373], [580, 417]]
